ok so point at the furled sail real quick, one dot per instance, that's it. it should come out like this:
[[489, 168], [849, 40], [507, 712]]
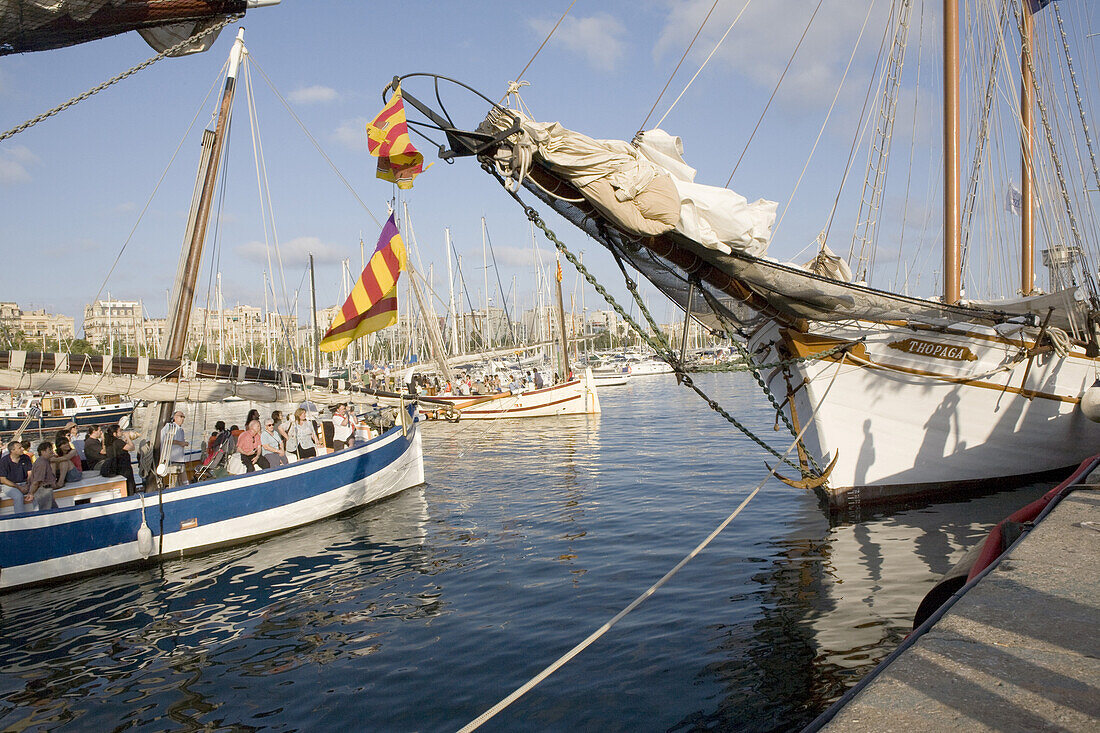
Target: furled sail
[[40, 25]]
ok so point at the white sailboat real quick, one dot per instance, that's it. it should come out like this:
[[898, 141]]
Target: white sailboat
[[927, 395]]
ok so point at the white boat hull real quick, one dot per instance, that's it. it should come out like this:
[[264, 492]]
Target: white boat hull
[[577, 397], [44, 546], [902, 424]]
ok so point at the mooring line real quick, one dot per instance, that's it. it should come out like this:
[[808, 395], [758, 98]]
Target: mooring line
[[569, 655]]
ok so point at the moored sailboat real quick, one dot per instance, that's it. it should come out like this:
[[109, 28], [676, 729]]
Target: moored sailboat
[[891, 395], [108, 526]]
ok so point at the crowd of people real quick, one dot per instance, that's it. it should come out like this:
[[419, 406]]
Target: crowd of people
[[272, 441], [29, 477], [479, 385]]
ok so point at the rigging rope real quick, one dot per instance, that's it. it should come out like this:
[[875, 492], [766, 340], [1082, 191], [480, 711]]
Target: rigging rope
[[705, 62], [678, 63], [774, 91], [594, 636], [124, 75], [1077, 95], [544, 42]]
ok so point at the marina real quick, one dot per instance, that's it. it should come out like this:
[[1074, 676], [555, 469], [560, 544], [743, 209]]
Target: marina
[[423, 610], [488, 401]]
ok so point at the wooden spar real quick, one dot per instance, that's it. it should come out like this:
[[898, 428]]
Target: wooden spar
[[315, 331], [564, 340], [1027, 194], [952, 275], [179, 314], [435, 339]]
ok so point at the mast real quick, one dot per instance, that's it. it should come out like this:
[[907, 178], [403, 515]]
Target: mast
[[451, 289], [313, 319], [187, 275], [951, 226], [486, 335], [1027, 195], [561, 330]]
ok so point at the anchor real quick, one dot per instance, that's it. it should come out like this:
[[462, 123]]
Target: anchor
[[809, 480]]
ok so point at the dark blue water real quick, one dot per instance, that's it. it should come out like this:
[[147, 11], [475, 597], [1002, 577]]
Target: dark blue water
[[422, 611]]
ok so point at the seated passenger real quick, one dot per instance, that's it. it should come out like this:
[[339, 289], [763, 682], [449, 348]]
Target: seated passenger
[[93, 448], [43, 479], [271, 444], [15, 467], [67, 461], [248, 445]]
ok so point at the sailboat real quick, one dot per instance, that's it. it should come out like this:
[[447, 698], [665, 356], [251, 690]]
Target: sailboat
[[894, 396], [99, 525]]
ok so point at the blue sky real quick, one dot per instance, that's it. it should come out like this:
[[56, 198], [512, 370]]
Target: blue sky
[[72, 187]]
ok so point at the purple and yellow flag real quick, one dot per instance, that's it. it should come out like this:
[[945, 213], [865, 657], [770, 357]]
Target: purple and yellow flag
[[388, 140], [372, 304]]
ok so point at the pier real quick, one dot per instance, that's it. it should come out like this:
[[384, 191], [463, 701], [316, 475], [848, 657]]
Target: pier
[[1018, 651]]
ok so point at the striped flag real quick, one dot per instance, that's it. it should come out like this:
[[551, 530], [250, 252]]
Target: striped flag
[[388, 140], [372, 304]]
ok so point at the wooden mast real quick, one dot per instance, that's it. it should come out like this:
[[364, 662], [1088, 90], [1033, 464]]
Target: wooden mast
[[561, 330], [951, 226], [1027, 194], [179, 314]]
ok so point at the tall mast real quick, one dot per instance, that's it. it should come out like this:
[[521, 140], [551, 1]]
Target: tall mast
[[313, 319], [451, 289], [561, 329], [179, 312], [485, 272], [951, 227], [1027, 195]]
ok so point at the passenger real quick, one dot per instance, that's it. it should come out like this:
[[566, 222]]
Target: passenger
[[253, 414], [67, 462], [93, 448], [342, 430], [217, 437], [539, 383], [302, 441], [173, 443], [248, 445], [271, 444], [118, 444], [43, 479], [282, 424], [15, 468], [515, 385]]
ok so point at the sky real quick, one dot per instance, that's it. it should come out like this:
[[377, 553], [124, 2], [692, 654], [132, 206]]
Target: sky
[[73, 188]]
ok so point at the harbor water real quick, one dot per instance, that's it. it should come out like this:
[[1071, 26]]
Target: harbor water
[[420, 612]]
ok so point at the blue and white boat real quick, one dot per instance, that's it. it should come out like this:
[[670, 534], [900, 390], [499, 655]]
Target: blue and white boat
[[39, 547]]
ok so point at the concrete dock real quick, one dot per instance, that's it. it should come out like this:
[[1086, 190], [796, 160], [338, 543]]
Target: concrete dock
[[1020, 651]]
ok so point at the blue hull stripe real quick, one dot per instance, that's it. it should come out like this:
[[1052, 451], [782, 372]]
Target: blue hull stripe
[[281, 486]]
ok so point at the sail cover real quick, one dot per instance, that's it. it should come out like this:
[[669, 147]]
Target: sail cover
[[40, 25]]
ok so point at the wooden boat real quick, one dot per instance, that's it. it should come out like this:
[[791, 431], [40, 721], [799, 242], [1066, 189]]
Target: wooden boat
[[98, 526], [106, 532], [575, 397]]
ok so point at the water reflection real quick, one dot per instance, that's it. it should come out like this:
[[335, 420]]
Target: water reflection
[[125, 644]]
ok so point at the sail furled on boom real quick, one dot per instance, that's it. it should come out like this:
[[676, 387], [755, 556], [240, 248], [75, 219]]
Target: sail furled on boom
[[41, 25]]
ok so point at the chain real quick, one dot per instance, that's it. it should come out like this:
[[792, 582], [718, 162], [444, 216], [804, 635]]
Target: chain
[[116, 79], [660, 346]]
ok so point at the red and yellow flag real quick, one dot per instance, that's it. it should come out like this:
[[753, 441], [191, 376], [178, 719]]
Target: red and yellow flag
[[388, 140], [372, 304], [559, 270]]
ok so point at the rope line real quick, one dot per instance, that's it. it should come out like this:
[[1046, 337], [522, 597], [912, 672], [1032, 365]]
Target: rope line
[[544, 42], [119, 77], [594, 636], [681, 61]]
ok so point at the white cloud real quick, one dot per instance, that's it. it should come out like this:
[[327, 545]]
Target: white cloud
[[514, 256], [352, 134], [313, 95], [761, 43], [13, 164], [295, 250], [598, 38]]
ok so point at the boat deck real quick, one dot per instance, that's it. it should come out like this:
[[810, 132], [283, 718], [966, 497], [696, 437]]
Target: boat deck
[[1019, 651], [91, 487]]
